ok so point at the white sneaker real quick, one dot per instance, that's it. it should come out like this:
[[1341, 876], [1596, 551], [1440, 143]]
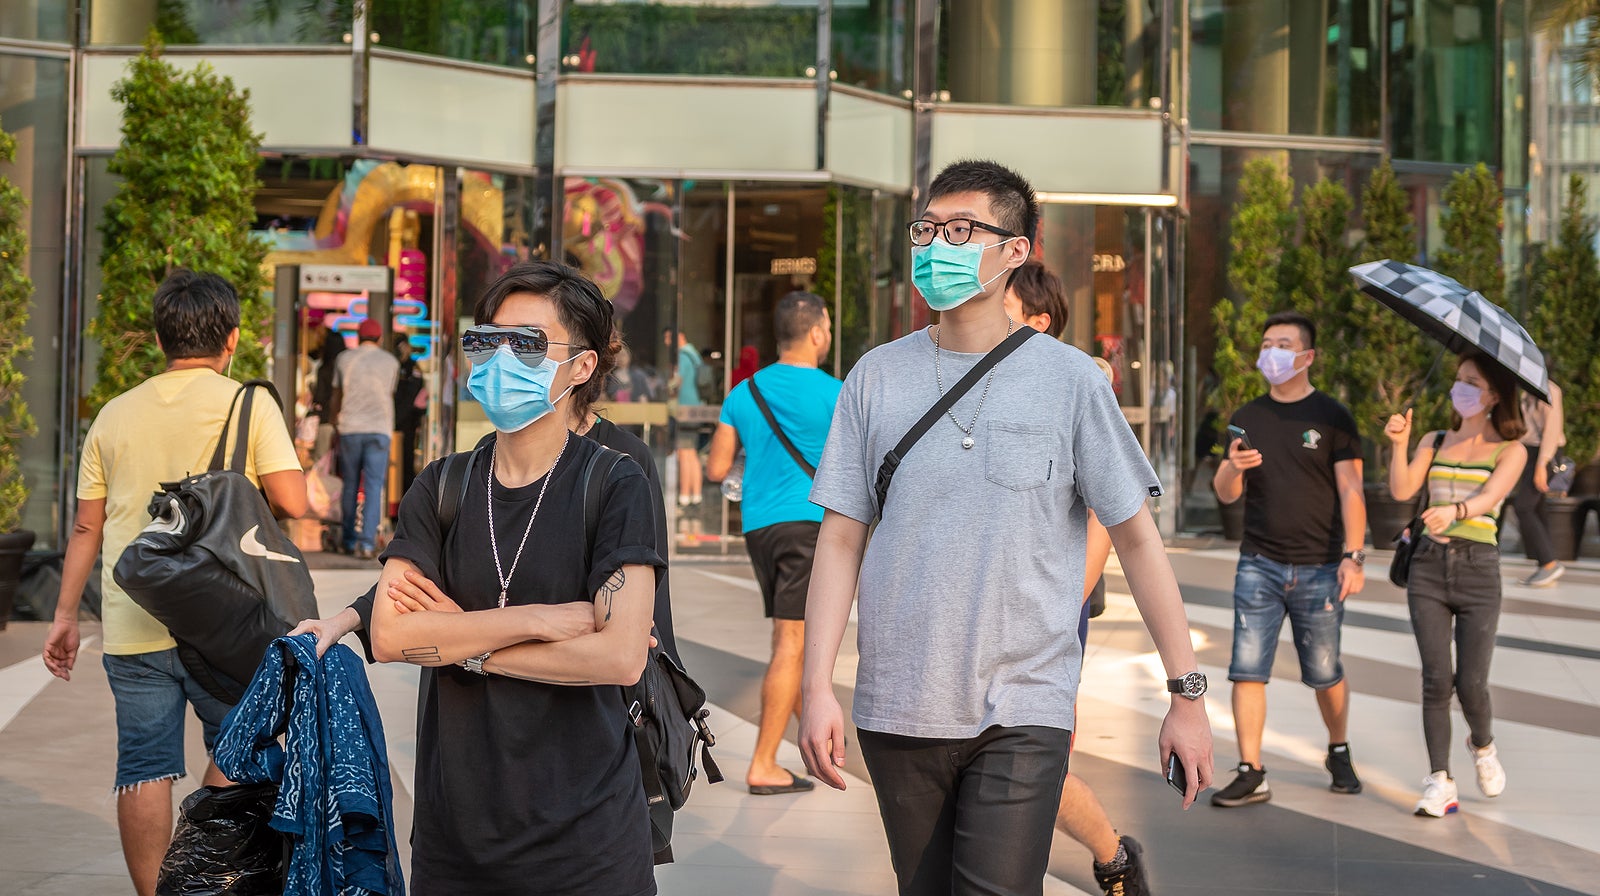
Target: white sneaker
[[1439, 796], [1491, 774]]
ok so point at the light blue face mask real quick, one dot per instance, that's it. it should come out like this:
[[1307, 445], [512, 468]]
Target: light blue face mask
[[514, 395], [947, 275]]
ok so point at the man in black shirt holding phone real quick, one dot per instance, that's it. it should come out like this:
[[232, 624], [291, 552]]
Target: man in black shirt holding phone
[[1295, 456]]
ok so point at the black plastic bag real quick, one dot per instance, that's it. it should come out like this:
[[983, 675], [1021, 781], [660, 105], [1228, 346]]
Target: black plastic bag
[[224, 845]]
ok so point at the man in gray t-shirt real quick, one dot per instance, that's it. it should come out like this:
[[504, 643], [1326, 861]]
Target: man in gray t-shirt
[[364, 398], [971, 584]]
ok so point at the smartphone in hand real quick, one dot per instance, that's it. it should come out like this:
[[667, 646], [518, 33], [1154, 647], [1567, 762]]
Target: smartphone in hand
[[1235, 432], [1177, 775]]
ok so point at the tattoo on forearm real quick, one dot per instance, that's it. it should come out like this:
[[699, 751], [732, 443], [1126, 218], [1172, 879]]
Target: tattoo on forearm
[[610, 589], [421, 656]]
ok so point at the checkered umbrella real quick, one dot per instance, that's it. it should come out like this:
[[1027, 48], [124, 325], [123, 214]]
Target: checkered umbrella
[[1457, 317]]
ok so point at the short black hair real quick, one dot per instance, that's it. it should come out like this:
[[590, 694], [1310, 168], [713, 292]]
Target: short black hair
[[1041, 292], [194, 313], [1308, 330], [583, 309], [796, 314], [1011, 197]]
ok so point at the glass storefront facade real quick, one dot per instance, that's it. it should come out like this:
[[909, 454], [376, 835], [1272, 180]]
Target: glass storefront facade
[[1306, 67], [692, 159]]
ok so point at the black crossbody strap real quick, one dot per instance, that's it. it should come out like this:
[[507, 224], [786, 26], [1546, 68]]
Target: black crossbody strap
[[602, 462], [783, 438], [892, 460], [453, 488], [240, 424]]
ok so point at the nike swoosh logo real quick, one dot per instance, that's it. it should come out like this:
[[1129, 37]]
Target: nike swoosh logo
[[250, 544]]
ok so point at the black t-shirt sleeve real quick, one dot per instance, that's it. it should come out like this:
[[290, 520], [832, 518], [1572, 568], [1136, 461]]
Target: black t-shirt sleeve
[[1346, 436], [417, 536], [626, 533], [363, 607]]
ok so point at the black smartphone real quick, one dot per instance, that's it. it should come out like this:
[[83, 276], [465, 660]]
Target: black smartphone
[[1235, 432], [1177, 775]]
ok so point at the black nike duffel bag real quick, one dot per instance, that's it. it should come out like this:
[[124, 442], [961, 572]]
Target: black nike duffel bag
[[215, 569]]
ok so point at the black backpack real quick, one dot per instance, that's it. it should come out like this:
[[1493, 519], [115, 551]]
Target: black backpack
[[214, 567], [666, 708]]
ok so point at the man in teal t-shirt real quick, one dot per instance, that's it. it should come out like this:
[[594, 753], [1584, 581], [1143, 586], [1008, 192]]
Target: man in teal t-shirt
[[780, 522]]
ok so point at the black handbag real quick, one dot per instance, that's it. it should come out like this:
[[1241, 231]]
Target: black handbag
[[1561, 471], [1405, 543], [215, 569]]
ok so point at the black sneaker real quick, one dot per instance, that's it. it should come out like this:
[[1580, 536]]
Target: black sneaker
[[1249, 786], [1129, 879], [1344, 774]]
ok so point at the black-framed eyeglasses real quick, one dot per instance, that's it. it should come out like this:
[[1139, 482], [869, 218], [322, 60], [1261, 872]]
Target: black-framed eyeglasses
[[957, 231], [529, 344]]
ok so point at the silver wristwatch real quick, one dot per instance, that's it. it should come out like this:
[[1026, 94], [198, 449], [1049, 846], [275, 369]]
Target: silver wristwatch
[[1190, 686], [475, 663]]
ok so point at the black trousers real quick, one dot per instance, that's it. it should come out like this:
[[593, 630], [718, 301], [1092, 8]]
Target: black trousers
[[1529, 503], [970, 816], [1454, 598]]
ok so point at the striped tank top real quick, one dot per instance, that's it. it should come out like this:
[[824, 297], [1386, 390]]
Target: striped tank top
[[1452, 481]]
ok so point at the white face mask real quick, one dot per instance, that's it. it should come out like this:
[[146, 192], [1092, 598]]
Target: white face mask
[[1277, 365], [1467, 399]]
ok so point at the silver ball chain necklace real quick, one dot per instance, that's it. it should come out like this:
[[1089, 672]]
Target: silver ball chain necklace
[[988, 381], [494, 546]]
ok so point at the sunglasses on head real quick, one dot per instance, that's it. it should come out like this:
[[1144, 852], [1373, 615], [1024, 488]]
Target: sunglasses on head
[[529, 344]]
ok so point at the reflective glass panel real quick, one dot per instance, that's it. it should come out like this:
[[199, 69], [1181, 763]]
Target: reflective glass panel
[[1442, 81], [246, 22], [871, 44], [753, 38], [497, 32], [46, 20], [33, 110], [1048, 52], [1286, 66]]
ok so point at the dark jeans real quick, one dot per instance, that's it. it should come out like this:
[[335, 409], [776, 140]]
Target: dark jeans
[[970, 816], [1529, 503], [364, 463], [1454, 594]]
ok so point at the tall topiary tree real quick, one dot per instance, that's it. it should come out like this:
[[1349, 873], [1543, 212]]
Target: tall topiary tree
[[16, 296], [1565, 321], [1471, 220], [1262, 225], [188, 162], [1387, 358], [1321, 286]]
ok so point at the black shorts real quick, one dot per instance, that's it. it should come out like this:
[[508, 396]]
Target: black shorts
[[781, 554]]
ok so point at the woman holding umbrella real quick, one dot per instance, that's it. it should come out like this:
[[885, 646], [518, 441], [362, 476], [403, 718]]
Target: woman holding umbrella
[[1454, 587]]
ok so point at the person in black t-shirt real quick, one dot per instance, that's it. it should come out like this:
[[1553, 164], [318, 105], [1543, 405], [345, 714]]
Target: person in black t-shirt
[[526, 776], [1299, 471]]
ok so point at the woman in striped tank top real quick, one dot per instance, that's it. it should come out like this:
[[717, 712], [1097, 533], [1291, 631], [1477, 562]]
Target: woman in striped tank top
[[1454, 586]]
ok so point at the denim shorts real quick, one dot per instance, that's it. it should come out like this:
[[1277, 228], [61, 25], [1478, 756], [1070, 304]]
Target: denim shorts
[[152, 692], [1264, 591]]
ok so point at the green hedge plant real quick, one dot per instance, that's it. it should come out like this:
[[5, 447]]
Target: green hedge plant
[[1565, 321], [16, 298], [188, 162], [1263, 223]]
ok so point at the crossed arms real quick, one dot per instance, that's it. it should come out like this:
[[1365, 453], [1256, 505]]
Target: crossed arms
[[576, 643]]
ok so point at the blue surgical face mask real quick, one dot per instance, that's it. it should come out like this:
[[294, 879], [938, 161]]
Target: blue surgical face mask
[[513, 394], [947, 275], [1467, 399]]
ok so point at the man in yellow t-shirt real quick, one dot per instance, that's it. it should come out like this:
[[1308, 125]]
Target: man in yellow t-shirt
[[162, 430]]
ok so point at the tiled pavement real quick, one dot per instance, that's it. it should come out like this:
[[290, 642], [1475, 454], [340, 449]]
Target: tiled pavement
[[58, 833]]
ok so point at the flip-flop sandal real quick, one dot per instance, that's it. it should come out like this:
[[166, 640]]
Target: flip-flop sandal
[[797, 784]]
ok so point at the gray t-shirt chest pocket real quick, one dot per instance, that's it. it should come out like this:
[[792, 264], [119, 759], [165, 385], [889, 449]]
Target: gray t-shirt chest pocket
[[1020, 456]]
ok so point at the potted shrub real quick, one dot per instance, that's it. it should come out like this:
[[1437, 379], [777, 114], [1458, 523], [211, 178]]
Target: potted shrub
[[1565, 322], [1386, 359], [188, 161], [1262, 223], [16, 424]]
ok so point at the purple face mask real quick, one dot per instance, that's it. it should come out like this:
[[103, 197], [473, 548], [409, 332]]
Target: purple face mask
[[1467, 399]]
